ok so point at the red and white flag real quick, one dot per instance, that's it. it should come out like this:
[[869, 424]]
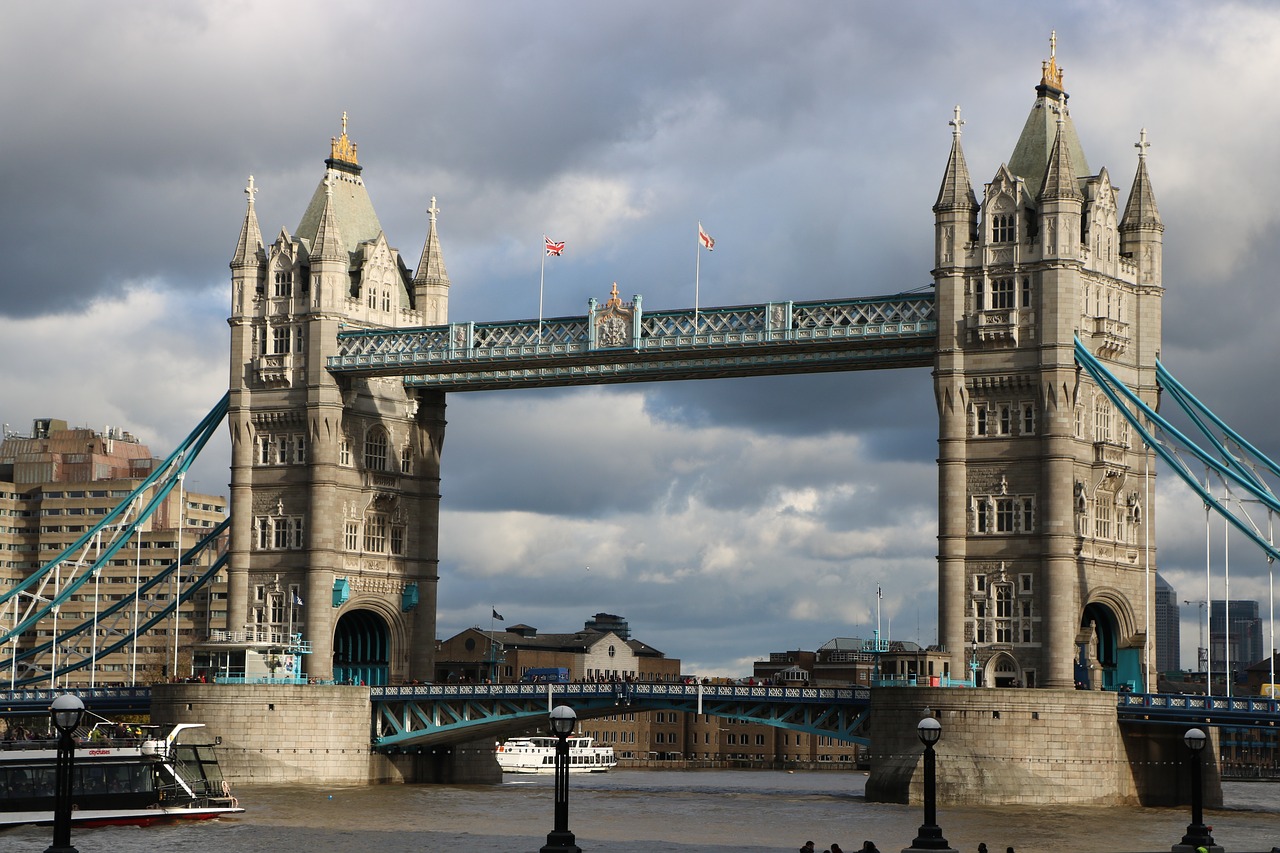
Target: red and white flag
[[705, 238], [553, 248]]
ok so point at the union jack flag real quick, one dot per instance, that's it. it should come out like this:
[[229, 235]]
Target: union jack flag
[[553, 248], [705, 238]]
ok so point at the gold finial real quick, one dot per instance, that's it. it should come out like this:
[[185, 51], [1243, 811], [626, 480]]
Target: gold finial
[[1051, 74], [614, 300], [341, 147]]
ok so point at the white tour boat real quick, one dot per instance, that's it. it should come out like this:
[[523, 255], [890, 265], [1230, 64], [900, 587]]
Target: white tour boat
[[538, 755], [121, 775]]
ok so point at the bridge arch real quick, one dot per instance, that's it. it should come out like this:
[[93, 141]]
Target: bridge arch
[[364, 636]]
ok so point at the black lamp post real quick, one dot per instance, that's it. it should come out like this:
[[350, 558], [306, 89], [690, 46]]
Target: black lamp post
[[1197, 833], [930, 834], [560, 839], [66, 712]]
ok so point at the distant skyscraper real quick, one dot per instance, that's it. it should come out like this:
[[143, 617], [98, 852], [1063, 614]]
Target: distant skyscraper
[[1242, 637], [1168, 629]]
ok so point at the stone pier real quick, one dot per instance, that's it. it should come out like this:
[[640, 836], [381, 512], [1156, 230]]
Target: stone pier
[[308, 734], [1029, 747]]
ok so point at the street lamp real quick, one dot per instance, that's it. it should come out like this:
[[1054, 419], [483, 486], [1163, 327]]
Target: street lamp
[[65, 712], [1197, 833], [930, 835], [560, 839]]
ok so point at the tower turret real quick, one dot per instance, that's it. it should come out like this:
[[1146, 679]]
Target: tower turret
[[1141, 229], [431, 281]]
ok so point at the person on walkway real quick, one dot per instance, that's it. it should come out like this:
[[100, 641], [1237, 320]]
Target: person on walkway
[[982, 847], [869, 847], [835, 848], [807, 848]]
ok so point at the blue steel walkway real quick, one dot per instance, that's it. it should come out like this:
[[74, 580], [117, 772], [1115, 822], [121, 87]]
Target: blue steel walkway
[[617, 342], [411, 718]]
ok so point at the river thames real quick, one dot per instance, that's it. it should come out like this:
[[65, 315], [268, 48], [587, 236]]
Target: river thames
[[639, 811]]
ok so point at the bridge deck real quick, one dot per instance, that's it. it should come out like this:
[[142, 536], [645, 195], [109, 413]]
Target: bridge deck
[[619, 343]]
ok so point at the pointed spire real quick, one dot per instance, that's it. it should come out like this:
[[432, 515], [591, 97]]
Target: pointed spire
[[1059, 175], [1140, 210], [956, 192], [328, 244], [431, 266], [249, 246]]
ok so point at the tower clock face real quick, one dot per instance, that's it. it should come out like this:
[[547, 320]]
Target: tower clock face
[[612, 332]]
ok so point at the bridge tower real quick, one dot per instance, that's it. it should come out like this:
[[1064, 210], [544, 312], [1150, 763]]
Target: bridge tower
[[1046, 511], [334, 484]]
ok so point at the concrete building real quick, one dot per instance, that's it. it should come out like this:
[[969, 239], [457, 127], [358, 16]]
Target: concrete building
[[55, 485], [1168, 622], [1044, 498], [335, 486]]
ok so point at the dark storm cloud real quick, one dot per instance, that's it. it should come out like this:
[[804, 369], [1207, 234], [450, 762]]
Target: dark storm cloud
[[810, 145]]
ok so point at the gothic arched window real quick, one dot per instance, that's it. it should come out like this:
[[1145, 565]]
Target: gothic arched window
[[375, 449]]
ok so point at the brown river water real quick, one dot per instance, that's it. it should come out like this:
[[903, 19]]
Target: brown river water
[[638, 811]]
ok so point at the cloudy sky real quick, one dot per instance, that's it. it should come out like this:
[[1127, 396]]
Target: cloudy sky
[[724, 519]]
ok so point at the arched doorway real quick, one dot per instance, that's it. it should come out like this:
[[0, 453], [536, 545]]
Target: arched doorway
[[1096, 657], [1005, 670], [361, 649]]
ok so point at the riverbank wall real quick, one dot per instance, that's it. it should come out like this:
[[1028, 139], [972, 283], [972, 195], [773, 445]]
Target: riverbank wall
[[1028, 747], [308, 734]]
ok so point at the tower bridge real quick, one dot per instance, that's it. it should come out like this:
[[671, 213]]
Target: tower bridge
[[342, 358]]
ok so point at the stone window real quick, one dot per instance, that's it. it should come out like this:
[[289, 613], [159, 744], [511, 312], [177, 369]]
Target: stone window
[[375, 449], [375, 533], [1026, 292], [1028, 419], [281, 340], [1002, 296], [283, 283], [1003, 228], [980, 420], [351, 536], [1103, 512], [344, 451], [1006, 420]]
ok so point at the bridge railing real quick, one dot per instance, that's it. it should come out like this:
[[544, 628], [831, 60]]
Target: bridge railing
[[647, 690], [771, 322]]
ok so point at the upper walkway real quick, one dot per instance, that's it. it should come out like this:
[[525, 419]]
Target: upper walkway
[[617, 342]]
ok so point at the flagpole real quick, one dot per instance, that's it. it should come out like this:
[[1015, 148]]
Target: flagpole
[[697, 270], [492, 609], [541, 278]]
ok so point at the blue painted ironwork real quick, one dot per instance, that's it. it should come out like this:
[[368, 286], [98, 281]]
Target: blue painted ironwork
[[55, 583], [1169, 443], [1235, 712], [630, 346], [99, 700], [415, 717]]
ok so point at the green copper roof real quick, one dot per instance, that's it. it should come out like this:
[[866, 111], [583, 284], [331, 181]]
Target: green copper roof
[[1031, 154], [352, 209]]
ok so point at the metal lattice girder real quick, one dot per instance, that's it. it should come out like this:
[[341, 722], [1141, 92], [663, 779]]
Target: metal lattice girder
[[99, 700], [1244, 712], [437, 715], [751, 340]]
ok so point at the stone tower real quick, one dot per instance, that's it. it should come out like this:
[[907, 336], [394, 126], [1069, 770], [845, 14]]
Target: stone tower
[[1046, 545], [334, 484]]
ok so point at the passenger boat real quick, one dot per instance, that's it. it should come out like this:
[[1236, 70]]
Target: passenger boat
[[121, 776], [538, 755]]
